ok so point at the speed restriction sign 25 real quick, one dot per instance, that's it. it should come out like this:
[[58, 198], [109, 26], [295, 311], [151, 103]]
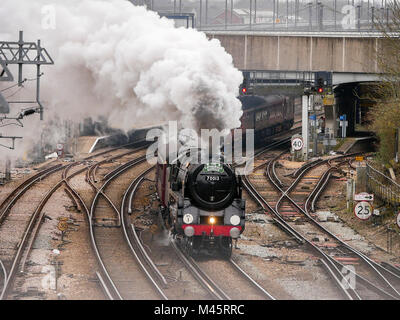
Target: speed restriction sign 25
[[363, 210], [297, 144]]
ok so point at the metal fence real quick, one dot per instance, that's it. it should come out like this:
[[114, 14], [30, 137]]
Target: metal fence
[[279, 15], [382, 186]]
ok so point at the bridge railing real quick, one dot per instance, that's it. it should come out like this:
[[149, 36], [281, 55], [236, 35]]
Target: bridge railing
[[325, 26], [279, 77], [315, 16], [382, 186]]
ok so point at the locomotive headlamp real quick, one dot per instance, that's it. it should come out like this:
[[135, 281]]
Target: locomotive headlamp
[[235, 220], [187, 218], [212, 220]]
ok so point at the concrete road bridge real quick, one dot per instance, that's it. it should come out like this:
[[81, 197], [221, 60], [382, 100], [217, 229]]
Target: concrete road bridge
[[287, 61], [339, 52]]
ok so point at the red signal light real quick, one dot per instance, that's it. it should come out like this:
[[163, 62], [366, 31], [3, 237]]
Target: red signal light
[[244, 90], [320, 90]]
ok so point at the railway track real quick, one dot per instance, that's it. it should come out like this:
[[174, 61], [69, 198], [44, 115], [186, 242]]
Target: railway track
[[136, 249], [148, 265], [112, 249], [282, 206], [111, 285], [249, 288], [192, 266], [119, 234], [25, 223]]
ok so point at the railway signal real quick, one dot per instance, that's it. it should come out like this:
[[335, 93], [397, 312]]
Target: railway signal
[[245, 86], [322, 83]]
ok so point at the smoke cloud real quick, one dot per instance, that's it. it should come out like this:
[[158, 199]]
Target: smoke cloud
[[122, 62]]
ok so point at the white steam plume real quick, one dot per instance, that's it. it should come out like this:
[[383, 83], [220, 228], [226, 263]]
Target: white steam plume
[[127, 64]]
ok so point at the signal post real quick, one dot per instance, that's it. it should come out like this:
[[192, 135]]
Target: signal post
[[322, 86]]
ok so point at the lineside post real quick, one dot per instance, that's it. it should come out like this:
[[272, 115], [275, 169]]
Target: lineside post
[[305, 125]]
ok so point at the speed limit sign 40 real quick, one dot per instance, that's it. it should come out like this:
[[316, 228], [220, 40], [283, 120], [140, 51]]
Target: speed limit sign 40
[[363, 210], [297, 144]]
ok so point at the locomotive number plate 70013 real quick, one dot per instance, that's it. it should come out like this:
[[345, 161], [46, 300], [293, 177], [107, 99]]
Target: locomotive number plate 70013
[[212, 178]]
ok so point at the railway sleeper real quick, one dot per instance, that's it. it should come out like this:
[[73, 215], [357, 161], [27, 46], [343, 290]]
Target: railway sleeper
[[104, 225]]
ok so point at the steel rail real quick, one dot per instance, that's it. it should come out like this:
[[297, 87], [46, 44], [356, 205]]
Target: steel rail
[[321, 185], [105, 280], [115, 173], [23, 183], [3, 268], [285, 194], [278, 181], [132, 238], [91, 212], [286, 227], [267, 208], [205, 281], [136, 143], [104, 286], [253, 282], [92, 181], [22, 246], [32, 228], [291, 230], [23, 187], [338, 282], [39, 211], [110, 289], [199, 274]]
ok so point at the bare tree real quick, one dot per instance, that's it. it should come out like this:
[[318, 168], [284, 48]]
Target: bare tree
[[385, 115]]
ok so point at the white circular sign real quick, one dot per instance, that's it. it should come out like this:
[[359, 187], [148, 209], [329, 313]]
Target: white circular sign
[[297, 144], [363, 210], [398, 220], [188, 218], [60, 146]]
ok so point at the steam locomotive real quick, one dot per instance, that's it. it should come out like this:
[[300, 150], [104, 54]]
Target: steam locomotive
[[201, 203]]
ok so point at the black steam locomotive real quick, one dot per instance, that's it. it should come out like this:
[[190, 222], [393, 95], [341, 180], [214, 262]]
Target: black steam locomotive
[[201, 202]]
